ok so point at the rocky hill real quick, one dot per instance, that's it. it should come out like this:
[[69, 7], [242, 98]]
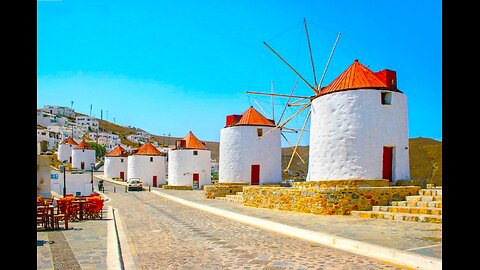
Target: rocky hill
[[425, 154]]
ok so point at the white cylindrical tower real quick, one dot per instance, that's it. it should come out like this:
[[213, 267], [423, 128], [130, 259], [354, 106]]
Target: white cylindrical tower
[[64, 153], [359, 128], [189, 163], [246, 158], [83, 156], [148, 164], [116, 163]]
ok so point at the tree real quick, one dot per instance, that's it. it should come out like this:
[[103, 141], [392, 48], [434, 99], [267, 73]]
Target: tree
[[100, 150]]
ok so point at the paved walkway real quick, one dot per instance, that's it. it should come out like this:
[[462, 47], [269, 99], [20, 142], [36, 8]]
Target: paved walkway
[[94, 244]]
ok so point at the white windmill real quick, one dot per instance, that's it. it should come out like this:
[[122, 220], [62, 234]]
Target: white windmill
[[359, 127]]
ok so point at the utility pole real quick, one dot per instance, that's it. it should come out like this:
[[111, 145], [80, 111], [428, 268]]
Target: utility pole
[[101, 114], [91, 109]]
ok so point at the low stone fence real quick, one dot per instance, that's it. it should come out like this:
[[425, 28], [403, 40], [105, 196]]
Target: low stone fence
[[177, 187], [223, 189], [342, 183], [308, 198]]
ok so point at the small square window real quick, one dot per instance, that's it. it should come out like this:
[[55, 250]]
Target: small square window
[[151, 159], [386, 98], [121, 160], [195, 153], [259, 132]]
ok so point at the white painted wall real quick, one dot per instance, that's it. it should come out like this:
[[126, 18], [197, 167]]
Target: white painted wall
[[182, 164], [114, 165], [83, 155], [65, 152], [79, 182], [239, 149], [348, 131], [139, 166]]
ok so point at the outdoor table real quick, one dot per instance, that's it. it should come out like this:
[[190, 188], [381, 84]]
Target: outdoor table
[[80, 203]]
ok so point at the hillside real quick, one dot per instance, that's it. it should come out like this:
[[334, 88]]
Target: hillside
[[425, 154]]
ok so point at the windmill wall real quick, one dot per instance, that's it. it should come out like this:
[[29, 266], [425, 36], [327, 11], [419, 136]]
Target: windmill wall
[[83, 155], [348, 132], [140, 166], [182, 164], [240, 149], [114, 165], [65, 152]]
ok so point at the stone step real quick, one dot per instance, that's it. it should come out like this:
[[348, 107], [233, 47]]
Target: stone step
[[431, 192], [409, 210], [234, 196], [417, 198], [398, 216], [433, 204]]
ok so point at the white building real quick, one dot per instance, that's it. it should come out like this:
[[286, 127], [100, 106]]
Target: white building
[[109, 140], [148, 164], [246, 158], [116, 163], [139, 137], [214, 166], [47, 119], [91, 123], [76, 182], [51, 137], [64, 152], [59, 110], [83, 156], [189, 163], [359, 128]]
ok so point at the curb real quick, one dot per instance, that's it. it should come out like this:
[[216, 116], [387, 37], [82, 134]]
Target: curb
[[403, 258]]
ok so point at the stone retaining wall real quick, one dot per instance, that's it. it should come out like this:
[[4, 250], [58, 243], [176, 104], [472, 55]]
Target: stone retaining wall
[[223, 190], [177, 187], [342, 183], [331, 201]]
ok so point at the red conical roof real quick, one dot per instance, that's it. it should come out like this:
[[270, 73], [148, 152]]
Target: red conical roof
[[69, 140], [192, 142], [83, 145], [358, 76], [253, 117], [117, 152], [148, 149]]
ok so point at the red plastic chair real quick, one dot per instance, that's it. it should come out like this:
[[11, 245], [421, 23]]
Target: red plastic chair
[[94, 208]]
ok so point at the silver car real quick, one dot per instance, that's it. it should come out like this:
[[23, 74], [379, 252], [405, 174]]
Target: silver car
[[135, 183]]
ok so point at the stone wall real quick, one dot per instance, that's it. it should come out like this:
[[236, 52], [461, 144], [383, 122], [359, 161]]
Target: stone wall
[[342, 183], [223, 189], [331, 200], [177, 187]]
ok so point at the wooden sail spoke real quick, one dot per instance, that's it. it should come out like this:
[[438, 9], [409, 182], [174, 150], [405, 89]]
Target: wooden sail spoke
[[298, 141], [291, 146]]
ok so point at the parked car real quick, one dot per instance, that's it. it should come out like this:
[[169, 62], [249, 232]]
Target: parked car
[[135, 183]]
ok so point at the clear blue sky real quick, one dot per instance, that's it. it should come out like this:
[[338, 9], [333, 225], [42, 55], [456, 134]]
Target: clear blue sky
[[175, 66]]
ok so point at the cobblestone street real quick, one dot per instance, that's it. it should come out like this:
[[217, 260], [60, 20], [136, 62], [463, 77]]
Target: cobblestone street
[[169, 235]]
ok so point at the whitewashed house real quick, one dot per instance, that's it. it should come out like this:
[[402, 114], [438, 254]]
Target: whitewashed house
[[139, 137], [116, 163], [148, 164], [64, 152], [59, 110], [189, 163], [109, 140], [359, 128], [246, 158], [83, 156], [52, 138], [90, 122]]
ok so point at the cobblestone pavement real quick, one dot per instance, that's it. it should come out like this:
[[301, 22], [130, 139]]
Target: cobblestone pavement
[[417, 237], [169, 235]]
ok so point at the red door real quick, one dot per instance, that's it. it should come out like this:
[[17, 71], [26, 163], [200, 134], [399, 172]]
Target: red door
[[387, 162], [122, 175], [196, 180], [82, 165], [155, 181], [255, 175]]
